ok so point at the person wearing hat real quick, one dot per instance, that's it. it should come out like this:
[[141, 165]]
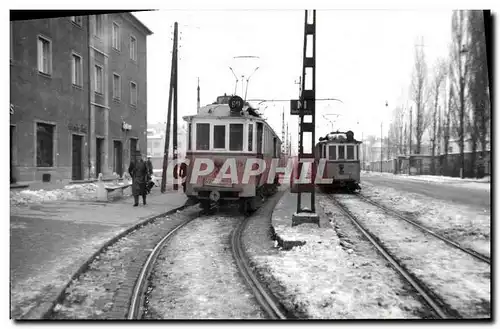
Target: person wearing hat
[[139, 173]]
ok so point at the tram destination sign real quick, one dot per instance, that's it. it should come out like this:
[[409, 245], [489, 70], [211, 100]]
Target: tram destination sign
[[296, 107]]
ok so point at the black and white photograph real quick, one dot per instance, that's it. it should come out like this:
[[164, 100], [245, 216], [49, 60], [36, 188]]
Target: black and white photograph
[[251, 163]]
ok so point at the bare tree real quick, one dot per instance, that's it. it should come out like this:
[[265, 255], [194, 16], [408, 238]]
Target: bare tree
[[440, 72], [396, 130], [477, 84], [459, 75], [418, 91]]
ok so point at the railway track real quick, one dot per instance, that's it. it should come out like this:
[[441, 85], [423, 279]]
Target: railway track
[[430, 298], [389, 211], [137, 299], [265, 299]]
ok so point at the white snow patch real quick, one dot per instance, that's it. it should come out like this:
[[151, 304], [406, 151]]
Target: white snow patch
[[463, 224], [480, 183], [325, 281], [459, 279]]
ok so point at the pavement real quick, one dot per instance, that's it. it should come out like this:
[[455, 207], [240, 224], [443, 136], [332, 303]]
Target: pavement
[[281, 221], [441, 191], [50, 241]]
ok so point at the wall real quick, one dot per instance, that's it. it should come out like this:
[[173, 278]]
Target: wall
[[52, 99]]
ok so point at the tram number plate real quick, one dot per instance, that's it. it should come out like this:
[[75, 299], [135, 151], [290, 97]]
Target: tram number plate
[[223, 183]]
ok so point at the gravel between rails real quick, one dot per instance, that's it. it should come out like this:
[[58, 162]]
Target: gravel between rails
[[195, 276], [461, 281], [104, 290]]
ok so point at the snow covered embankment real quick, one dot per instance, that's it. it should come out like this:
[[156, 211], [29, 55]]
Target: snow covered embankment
[[73, 192], [463, 224], [330, 277], [460, 280]]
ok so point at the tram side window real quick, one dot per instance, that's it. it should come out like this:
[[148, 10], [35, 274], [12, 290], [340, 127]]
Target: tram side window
[[250, 137], [219, 137], [332, 152], [203, 136], [236, 137], [350, 152], [259, 137], [341, 152], [275, 147], [189, 136]]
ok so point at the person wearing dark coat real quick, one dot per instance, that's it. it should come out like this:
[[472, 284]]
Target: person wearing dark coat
[[150, 183], [139, 173]]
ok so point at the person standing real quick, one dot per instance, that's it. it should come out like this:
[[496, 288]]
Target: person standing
[[150, 183], [139, 173]]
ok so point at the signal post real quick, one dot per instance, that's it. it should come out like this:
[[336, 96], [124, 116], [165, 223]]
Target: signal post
[[305, 109]]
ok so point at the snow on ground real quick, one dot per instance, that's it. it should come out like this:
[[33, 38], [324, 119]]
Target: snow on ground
[[480, 184], [460, 280], [94, 294], [195, 276], [29, 293], [72, 192], [328, 278], [463, 224]]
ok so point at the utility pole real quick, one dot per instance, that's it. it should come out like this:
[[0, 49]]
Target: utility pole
[[381, 146], [388, 132], [409, 153], [174, 141], [363, 150], [167, 136], [307, 107], [283, 142], [198, 97]]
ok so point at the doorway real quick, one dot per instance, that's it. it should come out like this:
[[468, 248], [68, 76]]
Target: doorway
[[133, 149], [117, 157], [99, 155], [77, 158]]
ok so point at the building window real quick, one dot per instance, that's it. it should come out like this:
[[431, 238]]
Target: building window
[[98, 79], [156, 144], [44, 55], [117, 87], [332, 152], [77, 70], [98, 26], [133, 94], [116, 36], [236, 137], [202, 136], [133, 48], [44, 145], [350, 152], [77, 20], [250, 137], [219, 137]]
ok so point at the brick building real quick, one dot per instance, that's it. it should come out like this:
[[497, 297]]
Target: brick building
[[78, 96]]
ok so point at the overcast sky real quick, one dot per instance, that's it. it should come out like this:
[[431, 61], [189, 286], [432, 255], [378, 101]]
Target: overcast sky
[[364, 58]]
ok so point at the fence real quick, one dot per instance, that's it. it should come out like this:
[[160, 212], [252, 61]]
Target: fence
[[443, 165]]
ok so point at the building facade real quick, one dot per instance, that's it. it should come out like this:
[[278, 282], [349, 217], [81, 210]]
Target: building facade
[[78, 96], [156, 142]]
